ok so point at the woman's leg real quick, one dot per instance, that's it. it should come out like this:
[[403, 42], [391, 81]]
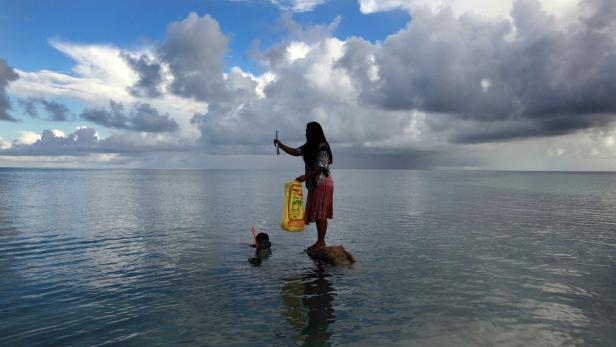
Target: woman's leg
[[323, 194], [321, 230]]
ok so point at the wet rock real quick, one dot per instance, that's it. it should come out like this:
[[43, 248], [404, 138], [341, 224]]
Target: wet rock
[[336, 255]]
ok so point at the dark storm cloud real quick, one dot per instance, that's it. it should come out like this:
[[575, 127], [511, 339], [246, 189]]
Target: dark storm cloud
[[29, 107], [495, 131], [114, 117], [7, 75], [142, 117], [56, 111], [551, 79], [150, 77], [84, 141], [598, 15], [434, 65], [147, 118]]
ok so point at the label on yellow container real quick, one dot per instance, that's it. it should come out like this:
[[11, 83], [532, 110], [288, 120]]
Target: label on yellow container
[[293, 208]]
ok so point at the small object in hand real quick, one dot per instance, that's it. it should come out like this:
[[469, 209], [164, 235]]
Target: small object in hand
[[277, 148]]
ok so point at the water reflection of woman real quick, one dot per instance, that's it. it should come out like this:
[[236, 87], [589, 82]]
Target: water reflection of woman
[[308, 301]]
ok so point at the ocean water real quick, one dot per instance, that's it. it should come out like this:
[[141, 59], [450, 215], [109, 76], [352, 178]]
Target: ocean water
[[140, 257]]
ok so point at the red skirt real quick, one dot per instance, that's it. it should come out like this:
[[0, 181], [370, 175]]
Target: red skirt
[[320, 204]]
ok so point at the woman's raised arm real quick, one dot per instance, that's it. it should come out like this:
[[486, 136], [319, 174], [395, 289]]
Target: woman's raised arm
[[290, 151]]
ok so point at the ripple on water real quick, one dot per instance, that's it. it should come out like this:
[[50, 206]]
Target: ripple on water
[[160, 258]]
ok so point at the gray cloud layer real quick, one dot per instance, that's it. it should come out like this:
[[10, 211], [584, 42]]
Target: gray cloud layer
[[150, 77], [478, 79], [84, 141], [532, 76], [7, 74], [194, 50], [142, 117], [55, 111]]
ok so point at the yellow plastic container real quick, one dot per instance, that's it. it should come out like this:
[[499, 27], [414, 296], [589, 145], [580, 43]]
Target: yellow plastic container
[[293, 208]]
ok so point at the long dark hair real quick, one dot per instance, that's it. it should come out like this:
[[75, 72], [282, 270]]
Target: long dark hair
[[314, 137]]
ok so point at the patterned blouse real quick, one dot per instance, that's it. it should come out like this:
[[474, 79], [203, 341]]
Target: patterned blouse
[[322, 160]]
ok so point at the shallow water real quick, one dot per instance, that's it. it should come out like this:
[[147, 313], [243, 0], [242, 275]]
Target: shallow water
[[142, 257]]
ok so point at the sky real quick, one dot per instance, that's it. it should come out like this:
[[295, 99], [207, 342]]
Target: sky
[[396, 84]]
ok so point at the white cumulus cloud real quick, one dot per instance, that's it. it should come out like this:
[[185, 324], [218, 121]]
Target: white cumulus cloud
[[27, 138], [4, 144], [298, 5], [498, 8]]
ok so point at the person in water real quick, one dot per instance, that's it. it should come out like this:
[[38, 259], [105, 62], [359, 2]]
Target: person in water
[[262, 249], [263, 243], [317, 156]]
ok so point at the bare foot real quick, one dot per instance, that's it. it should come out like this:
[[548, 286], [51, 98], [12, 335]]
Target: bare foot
[[316, 247]]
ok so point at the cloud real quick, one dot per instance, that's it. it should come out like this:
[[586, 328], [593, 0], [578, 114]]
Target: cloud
[[142, 117], [93, 160], [103, 73], [493, 9], [442, 82], [150, 76], [188, 62], [194, 49], [147, 118], [27, 138], [7, 74], [507, 79], [115, 117], [102, 62], [445, 84], [298, 5], [185, 69], [4, 144], [371, 6], [302, 84], [56, 111], [84, 141], [100, 72]]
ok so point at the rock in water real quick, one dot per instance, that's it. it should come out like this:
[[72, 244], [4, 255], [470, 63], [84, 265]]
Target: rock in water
[[336, 255]]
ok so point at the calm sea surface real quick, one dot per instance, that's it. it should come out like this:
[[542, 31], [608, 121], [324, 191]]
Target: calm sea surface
[[149, 258]]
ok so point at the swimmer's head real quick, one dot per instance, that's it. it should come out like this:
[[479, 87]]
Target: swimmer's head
[[263, 241]]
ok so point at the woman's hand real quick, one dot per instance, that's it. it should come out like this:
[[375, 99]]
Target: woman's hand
[[301, 178], [276, 142]]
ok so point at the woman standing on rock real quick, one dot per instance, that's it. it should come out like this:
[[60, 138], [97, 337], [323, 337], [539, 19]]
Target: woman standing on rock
[[317, 158]]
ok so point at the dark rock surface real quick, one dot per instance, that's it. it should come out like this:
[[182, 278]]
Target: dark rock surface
[[336, 255]]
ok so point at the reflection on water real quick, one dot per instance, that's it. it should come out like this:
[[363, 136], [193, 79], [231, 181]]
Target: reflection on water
[[140, 257], [308, 300]]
